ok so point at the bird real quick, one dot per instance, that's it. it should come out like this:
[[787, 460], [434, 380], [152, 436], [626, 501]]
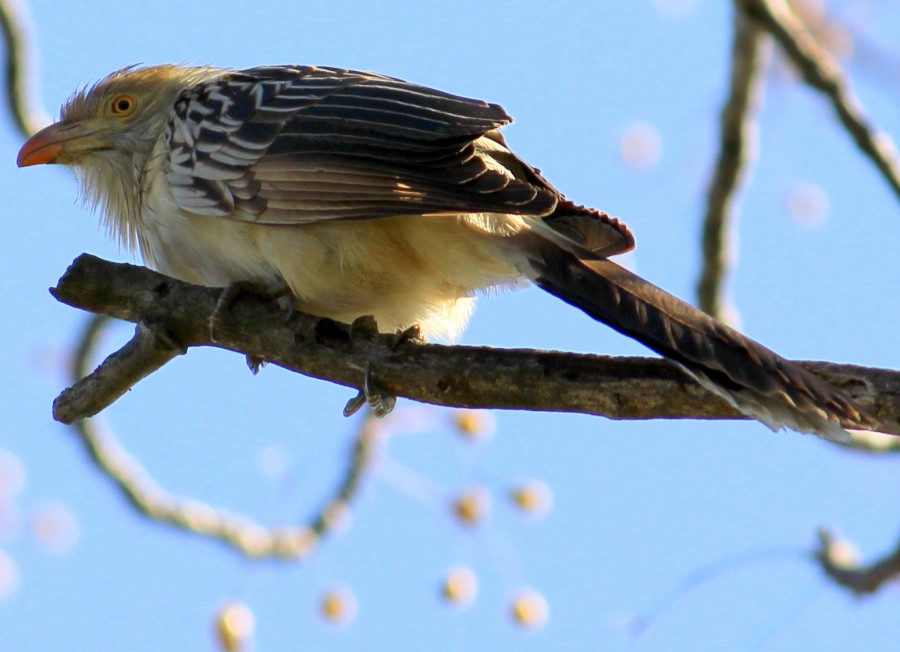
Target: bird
[[363, 194]]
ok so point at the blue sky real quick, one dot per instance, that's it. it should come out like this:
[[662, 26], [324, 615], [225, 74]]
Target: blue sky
[[638, 507]]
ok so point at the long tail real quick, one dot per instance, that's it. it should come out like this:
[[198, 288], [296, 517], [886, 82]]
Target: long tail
[[757, 381]]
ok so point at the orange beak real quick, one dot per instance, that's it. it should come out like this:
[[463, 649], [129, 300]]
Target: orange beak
[[52, 144]]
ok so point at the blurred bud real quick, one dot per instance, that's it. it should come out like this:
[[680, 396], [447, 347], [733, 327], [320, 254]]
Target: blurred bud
[[641, 145], [338, 606], [9, 575], [808, 204], [234, 626], [828, 33], [532, 497], [474, 424], [12, 475], [838, 40], [839, 553], [529, 609], [811, 12], [472, 505], [459, 586], [54, 527]]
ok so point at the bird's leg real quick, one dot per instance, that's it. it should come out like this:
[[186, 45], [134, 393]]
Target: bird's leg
[[279, 293], [381, 402]]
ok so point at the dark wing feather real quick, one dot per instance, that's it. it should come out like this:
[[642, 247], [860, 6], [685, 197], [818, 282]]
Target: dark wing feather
[[288, 145]]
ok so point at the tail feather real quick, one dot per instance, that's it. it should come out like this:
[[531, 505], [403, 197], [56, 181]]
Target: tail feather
[[755, 380]]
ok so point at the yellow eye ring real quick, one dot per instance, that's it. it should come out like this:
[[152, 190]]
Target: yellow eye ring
[[122, 105]]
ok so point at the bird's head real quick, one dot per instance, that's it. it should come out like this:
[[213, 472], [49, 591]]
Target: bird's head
[[118, 118], [107, 132]]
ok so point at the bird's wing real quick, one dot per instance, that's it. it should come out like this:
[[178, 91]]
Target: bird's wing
[[288, 145]]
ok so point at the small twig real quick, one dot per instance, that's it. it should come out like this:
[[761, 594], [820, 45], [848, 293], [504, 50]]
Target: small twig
[[19, 80], [696, 578], [823, 72], [838, 560], [737, 149], [459, 376], [240, 533]]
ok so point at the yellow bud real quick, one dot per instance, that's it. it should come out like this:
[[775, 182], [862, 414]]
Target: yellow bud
[[529, 609], [234, 626], [533, 497], [459, 586], [338, 606], [474, 424], [472, 505]]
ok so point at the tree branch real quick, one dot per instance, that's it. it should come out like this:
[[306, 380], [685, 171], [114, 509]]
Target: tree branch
[[839, 561], [19, 83], [461, 376], [146, 352], [241, 533], [737, 149], [823, 72]]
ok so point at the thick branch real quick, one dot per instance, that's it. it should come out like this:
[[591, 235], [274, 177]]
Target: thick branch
[[737, 145], [822, 71], [462, 376]]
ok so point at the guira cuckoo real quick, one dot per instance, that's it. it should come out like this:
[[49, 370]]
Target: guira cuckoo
[[369, 195]]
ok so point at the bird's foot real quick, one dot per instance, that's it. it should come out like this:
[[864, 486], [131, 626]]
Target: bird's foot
[[379, 401], [411, 334], [255, 363], [281, 294]]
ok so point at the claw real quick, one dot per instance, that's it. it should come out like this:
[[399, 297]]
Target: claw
[[255, 363], [354, 404], [411, 334], [380, 402]]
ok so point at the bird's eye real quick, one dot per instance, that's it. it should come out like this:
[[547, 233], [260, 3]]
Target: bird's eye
[[122, 105]]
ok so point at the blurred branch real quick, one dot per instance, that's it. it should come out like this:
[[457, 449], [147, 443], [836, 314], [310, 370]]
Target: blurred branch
[[837, 558], [823, 72], [839, 561], [737, 149], [19, 73], [244, 535], [461, 376]]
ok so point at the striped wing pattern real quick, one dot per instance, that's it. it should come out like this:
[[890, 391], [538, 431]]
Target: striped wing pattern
[[298, 144]]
